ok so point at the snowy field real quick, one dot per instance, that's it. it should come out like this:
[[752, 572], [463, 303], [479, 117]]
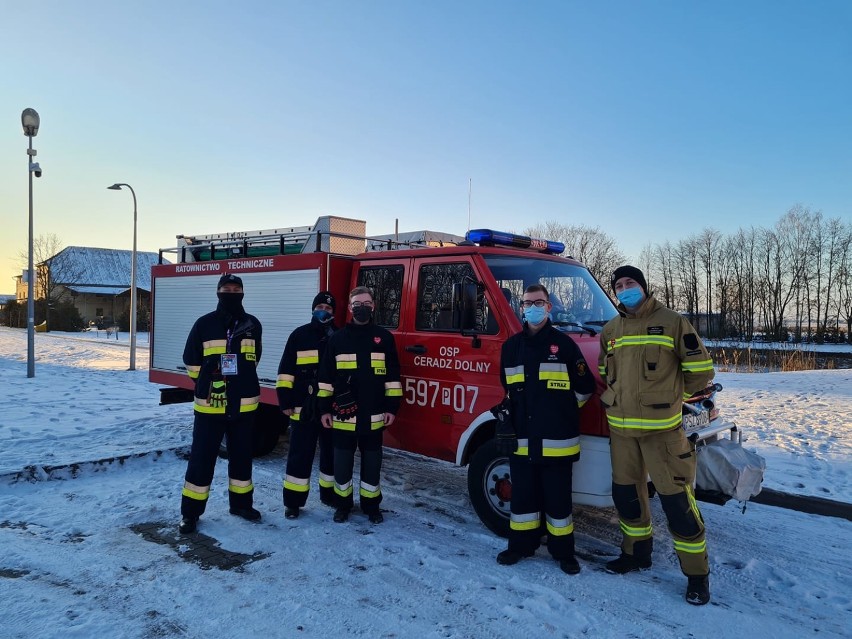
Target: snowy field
[[91, 549]]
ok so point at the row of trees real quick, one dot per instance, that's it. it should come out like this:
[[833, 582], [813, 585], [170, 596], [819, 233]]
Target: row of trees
[[790, 281]]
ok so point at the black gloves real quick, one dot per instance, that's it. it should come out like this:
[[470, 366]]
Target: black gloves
[[507, 441], [344, 405]]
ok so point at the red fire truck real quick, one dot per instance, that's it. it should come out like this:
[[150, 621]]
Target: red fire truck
[[450, 303]]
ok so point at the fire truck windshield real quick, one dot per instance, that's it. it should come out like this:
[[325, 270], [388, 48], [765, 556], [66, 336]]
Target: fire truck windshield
[[578, 301]]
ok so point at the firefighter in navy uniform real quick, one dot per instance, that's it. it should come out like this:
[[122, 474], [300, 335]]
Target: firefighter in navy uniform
[[547, 381], [651, 358], [297, 397], [360, 393], [221, 355]]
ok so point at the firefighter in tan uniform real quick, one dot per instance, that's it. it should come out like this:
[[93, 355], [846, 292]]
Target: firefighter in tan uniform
[[221, 355], [651, 359]]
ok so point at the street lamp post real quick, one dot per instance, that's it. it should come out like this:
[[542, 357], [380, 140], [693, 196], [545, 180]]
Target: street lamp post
[[117, 187], [31, 121]]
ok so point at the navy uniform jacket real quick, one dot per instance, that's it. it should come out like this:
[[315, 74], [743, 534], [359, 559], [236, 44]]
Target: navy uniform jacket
[[547, 380], [213, 335], [299, 366], [360, 360]]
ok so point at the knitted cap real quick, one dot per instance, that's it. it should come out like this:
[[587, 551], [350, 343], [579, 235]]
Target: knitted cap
[[633, 273], [324, 297]]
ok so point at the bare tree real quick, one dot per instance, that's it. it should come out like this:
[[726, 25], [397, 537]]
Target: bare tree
[[54, 269], [707, 245], [686, 256], [844, 283], [591, 246]]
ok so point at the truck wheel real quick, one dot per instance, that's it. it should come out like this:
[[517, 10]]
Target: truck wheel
[[489, 485], [268, 426]]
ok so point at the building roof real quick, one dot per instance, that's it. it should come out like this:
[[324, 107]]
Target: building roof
[[99, 270]]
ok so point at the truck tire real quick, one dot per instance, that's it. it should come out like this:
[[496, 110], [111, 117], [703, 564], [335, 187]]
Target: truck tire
[[489, 485], [269, 423]]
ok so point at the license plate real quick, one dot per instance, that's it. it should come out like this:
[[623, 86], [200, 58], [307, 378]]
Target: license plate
[[693, 422]]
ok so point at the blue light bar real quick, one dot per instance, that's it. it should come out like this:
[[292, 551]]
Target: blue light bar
[[489, 237]]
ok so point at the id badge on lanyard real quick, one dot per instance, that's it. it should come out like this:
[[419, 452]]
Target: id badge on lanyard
[[229, 360], [229, 364]]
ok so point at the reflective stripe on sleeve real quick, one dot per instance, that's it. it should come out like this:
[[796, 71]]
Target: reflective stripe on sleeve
[[285, 381], [346, 361], [514, 374], [214, 347], [304, 358]]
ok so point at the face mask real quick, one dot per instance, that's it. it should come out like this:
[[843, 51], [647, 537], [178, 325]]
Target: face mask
[[362, 314], [322, 316], [231, 302], [631, 297], [535, 314]]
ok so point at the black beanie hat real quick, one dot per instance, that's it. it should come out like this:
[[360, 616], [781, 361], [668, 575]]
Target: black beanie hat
[[633, 273], [229, 278], [324, 297]]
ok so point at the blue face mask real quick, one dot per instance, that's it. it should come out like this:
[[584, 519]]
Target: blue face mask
[[535, 314], [631, 297], [322, 316]]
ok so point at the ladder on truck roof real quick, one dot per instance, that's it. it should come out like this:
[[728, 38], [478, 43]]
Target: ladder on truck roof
[[329, 234]]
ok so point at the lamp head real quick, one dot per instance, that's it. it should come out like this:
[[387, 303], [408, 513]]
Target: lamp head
[[115, 187], [30, 121]]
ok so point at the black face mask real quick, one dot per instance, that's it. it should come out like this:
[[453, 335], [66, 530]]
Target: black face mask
[[362, 314], [231, 303]]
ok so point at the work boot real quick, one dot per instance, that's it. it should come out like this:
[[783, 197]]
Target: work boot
[[188, 525], [341, 515], [698, 590], [641, 558], [328, 500], [376, 518], [627, 563], [246, 513], [511, 557], [292, 513], [569, 566]]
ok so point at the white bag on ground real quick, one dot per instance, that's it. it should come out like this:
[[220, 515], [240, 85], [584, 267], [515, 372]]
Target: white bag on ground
[[726, 467]]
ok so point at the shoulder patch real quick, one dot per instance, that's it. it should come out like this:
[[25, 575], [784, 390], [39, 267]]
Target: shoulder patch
[[690, 340], [581, 367], [656, 330]]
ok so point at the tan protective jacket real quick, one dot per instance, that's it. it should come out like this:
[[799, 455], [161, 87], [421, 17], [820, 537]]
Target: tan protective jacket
[[651, 362]]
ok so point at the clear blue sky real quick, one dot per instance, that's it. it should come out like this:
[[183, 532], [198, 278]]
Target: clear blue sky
[[649, 119]]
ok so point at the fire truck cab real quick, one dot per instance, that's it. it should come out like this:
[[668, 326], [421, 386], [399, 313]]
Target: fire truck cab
[[450, 303]]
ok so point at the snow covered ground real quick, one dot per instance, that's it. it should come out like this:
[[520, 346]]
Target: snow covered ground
[[91, 549]]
